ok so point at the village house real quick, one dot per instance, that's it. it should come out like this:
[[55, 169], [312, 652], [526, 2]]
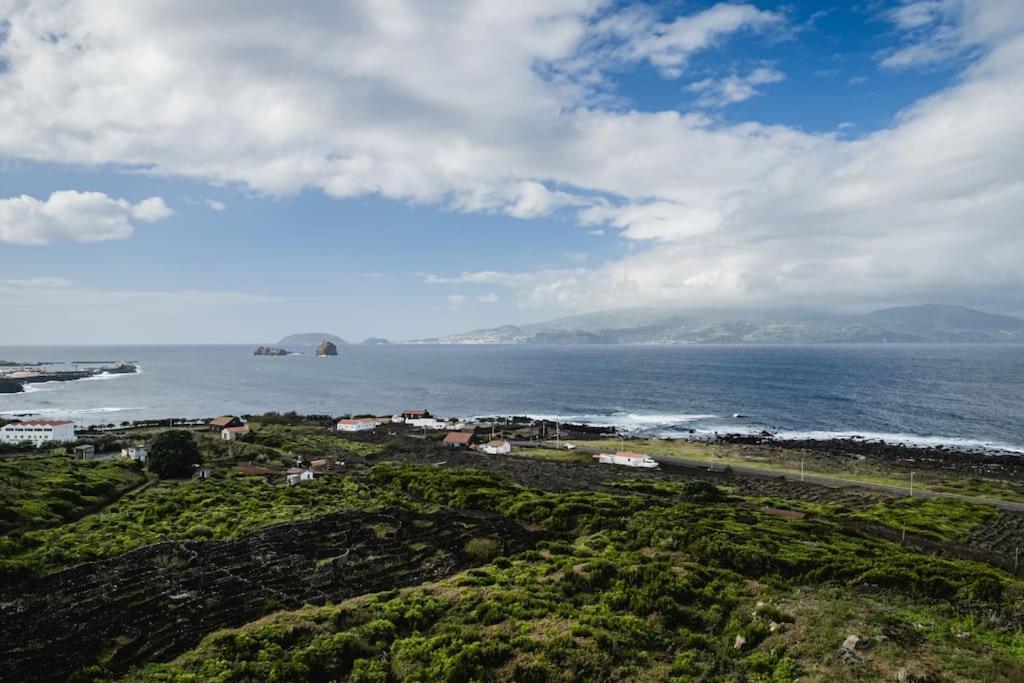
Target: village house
[[218, 424], [458, 439], [415, 413], [627, 459], [38, 432], [297, 475], [136, 453], [85, 452], [397, 419], [232, 433], [497, 447], [426, 423], [357, 424]]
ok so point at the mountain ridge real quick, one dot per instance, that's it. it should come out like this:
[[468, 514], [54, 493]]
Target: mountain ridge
[[926, 323]]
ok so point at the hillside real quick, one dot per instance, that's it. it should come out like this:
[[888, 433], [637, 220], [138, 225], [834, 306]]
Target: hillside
[[910, 324]]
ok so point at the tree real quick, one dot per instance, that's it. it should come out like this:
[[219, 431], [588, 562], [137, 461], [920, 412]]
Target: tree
[[173, 454]]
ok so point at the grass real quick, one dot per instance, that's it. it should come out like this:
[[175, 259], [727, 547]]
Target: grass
[[47, 491], [945, 519]]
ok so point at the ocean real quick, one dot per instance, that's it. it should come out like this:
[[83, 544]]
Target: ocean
[[970, 396]]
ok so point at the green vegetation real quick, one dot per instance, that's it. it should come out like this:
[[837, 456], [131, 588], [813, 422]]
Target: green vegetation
[[220, 507], [45, 491], [642, 578], [943, 518], [173, 454], [667, 582], [308, 440]]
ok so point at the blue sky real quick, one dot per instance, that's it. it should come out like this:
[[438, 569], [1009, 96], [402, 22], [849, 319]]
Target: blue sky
[[228, 175]]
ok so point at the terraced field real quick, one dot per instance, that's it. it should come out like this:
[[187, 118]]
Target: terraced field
[[155, 602]]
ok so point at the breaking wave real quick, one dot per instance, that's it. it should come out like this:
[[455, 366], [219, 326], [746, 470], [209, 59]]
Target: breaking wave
[[701, 426]]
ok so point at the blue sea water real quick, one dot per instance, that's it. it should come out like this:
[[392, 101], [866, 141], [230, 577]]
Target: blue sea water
[[963, 395]]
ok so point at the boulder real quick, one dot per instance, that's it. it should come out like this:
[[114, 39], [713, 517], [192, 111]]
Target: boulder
[[327, 348]]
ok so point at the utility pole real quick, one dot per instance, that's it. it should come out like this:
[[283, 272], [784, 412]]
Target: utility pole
[[801, 469], [911, 483], [557, 434]]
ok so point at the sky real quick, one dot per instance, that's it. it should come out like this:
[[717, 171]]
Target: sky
[[178, 171]]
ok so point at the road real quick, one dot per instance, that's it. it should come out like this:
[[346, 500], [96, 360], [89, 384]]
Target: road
[[817, 479]]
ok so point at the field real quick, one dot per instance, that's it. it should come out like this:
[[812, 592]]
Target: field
[[418, 563]]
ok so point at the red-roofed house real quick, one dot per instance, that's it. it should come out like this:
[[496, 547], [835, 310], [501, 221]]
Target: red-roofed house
[[357, 424], [627, 458], [458, 439]]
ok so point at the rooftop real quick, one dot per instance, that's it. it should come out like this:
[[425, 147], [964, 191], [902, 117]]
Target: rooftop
[[42, 423]]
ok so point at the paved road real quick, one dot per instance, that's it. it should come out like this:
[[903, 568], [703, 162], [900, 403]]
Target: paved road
[[831, 482]]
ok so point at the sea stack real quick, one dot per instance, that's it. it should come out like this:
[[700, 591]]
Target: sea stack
[[327, 348], [269, 351]]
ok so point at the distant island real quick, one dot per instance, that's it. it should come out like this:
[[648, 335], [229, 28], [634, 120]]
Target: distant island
[[909, 324], [375, 341]]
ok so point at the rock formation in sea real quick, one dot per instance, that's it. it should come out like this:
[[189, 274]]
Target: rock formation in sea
[[327, 348], [269, 351]]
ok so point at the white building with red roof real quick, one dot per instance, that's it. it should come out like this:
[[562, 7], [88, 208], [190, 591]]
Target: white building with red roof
[[38, 432], [627, 458], [357, 424]]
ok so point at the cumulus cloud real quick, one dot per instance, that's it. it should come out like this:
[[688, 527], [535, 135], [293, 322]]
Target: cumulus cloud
[[215, 205], [456, 301], [366, 98], [491, 298], [734, 88], [74, 216]]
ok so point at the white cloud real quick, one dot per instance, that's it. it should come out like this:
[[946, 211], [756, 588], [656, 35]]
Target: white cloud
[[491, 298], [37, 282], [215, 205], [455, 301], [365, 97], [69, 215], [668, 45], [940, 30], [734, 88]]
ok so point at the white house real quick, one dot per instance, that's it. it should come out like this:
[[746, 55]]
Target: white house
[[358, 424], [426, 423], [497, 447], [397, 419], [38, 432], [137, 453], [297, 475], [627, 458], [232, 433]]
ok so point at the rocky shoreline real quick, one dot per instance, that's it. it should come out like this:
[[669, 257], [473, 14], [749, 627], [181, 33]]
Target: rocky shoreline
[[14, 383]]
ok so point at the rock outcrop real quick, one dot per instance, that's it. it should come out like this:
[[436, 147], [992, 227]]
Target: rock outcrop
[[327, 348], [269, 351]]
